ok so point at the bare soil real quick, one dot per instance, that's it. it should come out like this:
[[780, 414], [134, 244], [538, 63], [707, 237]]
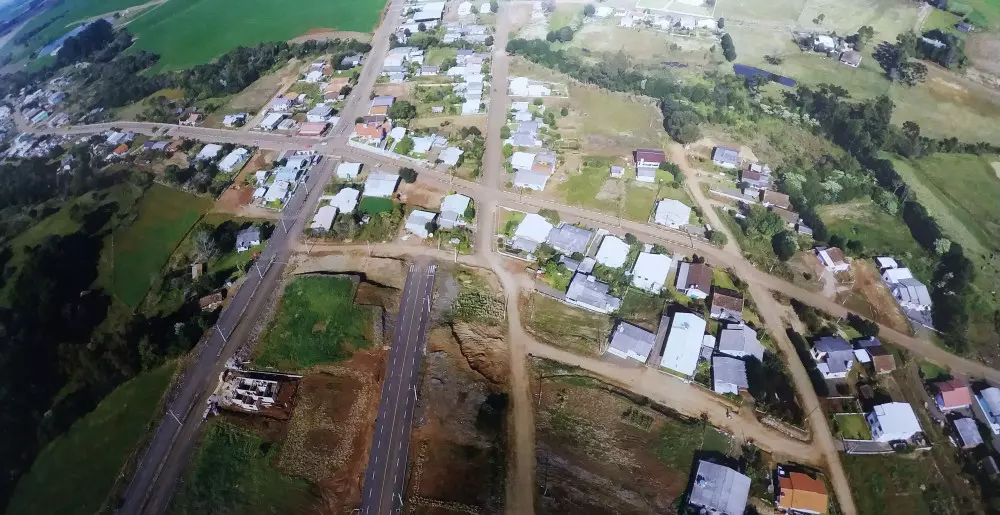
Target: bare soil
[[869, 286], [420, 194], [383, 271], [236, 199]]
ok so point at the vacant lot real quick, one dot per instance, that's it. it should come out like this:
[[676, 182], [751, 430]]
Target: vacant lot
[[642, 309], [316, 322], [375, 205], [566, 327], [890, 484], [187, 32], [853, 426], [879, 231], [69, 476]]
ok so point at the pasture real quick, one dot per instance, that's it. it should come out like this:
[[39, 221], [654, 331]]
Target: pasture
[[186, 33]]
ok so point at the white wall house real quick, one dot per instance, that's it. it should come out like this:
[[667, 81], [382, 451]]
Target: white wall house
[[893, 421], [613, 252], [650, 272], [417, 222], [683, 345], [672, 213], [631, 342]]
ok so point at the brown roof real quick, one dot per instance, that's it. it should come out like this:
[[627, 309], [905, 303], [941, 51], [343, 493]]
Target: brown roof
[[650, 154], [290, 96], [751, 175], [312, 128], [835, 254], [336, 84], [882, 360], [778, 199], [726, 298], [954, 393], [121, 149], [369, 130], [379, 110], [800, 492], [209, 301], [786, 215], [700, 275]]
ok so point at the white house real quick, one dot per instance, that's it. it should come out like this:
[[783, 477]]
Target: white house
[[465, 8], [323, 219], [531, 180], [912, 294], [729, 375], [233, 160], [587, 292], [672, 213], [381, 184], [832, 258], [613, 252], [683, 345], [417, 222], [345, 200], [277, 191], [453, 211], [525, 87], [271, 121], [893, 421], [348, 170], [834, 357], [650, 272], [450, 155], [893, 275], [885, 263], [208, 152], [988, 401], [522, 160], [531, 232], [313, 77], [320, 113], [726, 157], [631, 342]]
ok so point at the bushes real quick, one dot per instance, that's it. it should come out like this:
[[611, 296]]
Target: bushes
[[728, 49]]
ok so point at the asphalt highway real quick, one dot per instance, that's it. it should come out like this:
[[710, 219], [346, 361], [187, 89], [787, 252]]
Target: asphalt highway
[[385, 477]]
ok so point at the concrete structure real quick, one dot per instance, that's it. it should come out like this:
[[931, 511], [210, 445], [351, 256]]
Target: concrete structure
[[587, 292], [694, 279], [892, 421], [631, 342], [417, 222], [650, 272], [381, 184], [613, 252], [672, 213], [729, 375], [348, 171], [683, 344], [719, 490]]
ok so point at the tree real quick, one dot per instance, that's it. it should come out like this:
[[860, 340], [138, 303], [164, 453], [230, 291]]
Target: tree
[[422, 27], [728, 49], [942, 246], [552, 37], [565, 34], [718, 238], [204, 245], [360, 119], [589, 10], [762, 223], [404, 146], [784, 245], [402, 110], [474, 9], [537, 101], [494, 6], [564, 111], [470, 212], [508, 150], [722, 23], [887, 201], [912, 73], [505, 132], [863, 325], [409, 175], [488, 41], [431, 227], [631, 239], [549, 214]]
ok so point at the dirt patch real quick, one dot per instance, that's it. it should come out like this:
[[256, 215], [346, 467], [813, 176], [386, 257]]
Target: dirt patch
[[983, 50], [369, 294], [420, 194], [869, 286], [384, 271], [237, 197], [400, 91], [325, 34]]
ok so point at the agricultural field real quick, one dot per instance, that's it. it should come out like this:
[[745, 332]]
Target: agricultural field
[[560, 325], [186, 33], [68, 477], [57, 21]]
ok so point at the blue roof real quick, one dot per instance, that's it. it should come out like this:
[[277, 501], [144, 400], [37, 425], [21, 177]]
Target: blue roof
[[751, 71]]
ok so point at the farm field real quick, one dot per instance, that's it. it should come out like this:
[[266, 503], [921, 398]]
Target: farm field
[[68, 477], [890, 484], [186, 32]]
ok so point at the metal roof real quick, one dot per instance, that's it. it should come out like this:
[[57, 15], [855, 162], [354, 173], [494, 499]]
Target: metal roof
[[719, 488]]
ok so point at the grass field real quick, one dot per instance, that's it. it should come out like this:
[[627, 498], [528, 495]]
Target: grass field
[[879, 231], [583, 188], [188, 32], [375, 205], [317, 322], [165, 215], [642, 309], [566, 327], [931, 371], [891, 484], [63, 18], [853, 426], [980, 12], [233, 472], [75, 472]]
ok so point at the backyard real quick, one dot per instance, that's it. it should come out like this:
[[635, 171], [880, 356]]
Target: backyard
[[853, 426]]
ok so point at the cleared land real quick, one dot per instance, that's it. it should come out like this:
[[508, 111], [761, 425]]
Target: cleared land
[[853, 426], [889, 484], [74, 473], [880, 232], [564, 326]]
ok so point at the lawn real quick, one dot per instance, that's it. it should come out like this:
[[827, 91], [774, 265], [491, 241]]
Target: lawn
[[722, 279], [980, 12], [716, 441], [642, 309], [375, 205], [879, 231], [75, 472], [931, 371], [436, 55], [943, 21], [191, 32], [853, 426], [316, 322], [510, 221], [890, 484], [233, 472], [678, 442], [584, 188], [164, 217], [560, 325]]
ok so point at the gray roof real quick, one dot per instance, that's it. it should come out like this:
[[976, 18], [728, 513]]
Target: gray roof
[[569, 238], [629, 338], [531, 126], [521, 139], [968, 432], [866, 343], [740, 338], [840, 361], [645, 172], [247, 236], [914, 291], [383, 100], [524, 244], [831, 344], [587, 265], [530, 178], [720, 488], [569, 263], [726, 155], [585, 289], [729, 370]]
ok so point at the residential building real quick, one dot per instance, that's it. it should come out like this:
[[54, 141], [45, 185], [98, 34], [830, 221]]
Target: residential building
[[834, 357], [323, 220], [522, 160], [281, 105], [952, 394], [348, 171], [988, 401], [613, 252], [799, 493], [530, 180], [346, 200], [351, 61], [381, 184], [884, 263], [892, 421], [234, 160], [312, 129], [631, 342], [968, 433], [726, 157], [649, 158], [569, 239], [531, 232], [277, 191], [773, 198], [851, 58], [453, 211], [881, 359], [650, 272], [417, 222], [191, 120], [694, 279], [372, 133], [683, 345], [320, 113], [617, 172], [334, 87], [912, 294], [832, 258], [672, 213], [791, 218], [525, 87], [271, 121], [893, 275], [234, 120], [450, 155], [209, 152], [312, 77], [729, 375], [587, 292], [726, 305], [719, 490], [247, 238], [740, 341]]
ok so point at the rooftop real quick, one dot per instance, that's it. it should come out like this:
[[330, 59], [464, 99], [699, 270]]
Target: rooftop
[[628, 338], [570, 238], [719, 488]]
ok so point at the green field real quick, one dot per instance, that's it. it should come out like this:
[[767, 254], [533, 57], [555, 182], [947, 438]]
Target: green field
[[583, 188], [879, 231], [191, 32], [853, 426], [375, 205], [233, 472], [979, 12], [64, 17], [891, 484], [317, 322], [570, 328], [75, 472], [165, 215]]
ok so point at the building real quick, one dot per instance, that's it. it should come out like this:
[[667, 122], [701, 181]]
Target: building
[[968, 433], [381, 104], [453, 209], [249, 237], [313, 128], [631, 342], [351, 61], [525, 87], [346, 200], [851, 58], [191, 120], [892, 421], [271, 121], [649, 158], [234, 120], [209, 152], [893, 275], [729, 375], [726, 305], [952, 394], [450, 155], [650, 272], [740, 341], [320, 113], [530, 180], [672, 213], [531, 232], [881, 359], [800, 493], [834, 357], [773, 198], [587, 292], [323, 220], [988, 401], [694, 279], [234, 160], [417, 222], [719, 490], [381, 184], [791, 218], [613, 252], [726, 157], [885, 263], [348, 171], [334, 88], [832, 258], [823, 43], [912, 294], [683, 344], [570, 239]]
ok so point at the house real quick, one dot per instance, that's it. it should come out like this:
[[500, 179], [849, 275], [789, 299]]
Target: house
[[333, 88], [450, 155], [587, 292], [211, 301], [650, 272], [382, 101], [209, 152], [613, 252], [740, 341], [988, 401], [672, 213], [320, 113], [313, 128], [912, 294], [881, 359], [719, 490], [832, 259], [726, 157], [381, 184], [802, 228], [694, 279], [823, 43], [281, 104], [323, 220], [346, 200], [287, 124], [525, 87], [791, 218], [892, 421], [834, 357], [234, 160], [968, 433], [726, 305], [800, 493], [544, 162], [277, 192], [120, 150], [371, 132], [234, 120], [952, 394], [522, 160], [851, 58], [570, 239], [191, 120], [271, 121], [683, 344], [351, 61], [312, 77], [249, 237], [631, 342], [885, 263], [772, 198], [417, 222], [729, 375], [649, 158], [530, 180], [531, 232], [428, 71], [893, 275], [617, 171], [755, 180], [453, 209], [647, 175], [465, 8]]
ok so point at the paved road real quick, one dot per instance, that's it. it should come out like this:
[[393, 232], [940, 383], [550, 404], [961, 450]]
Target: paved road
[[385, 477]]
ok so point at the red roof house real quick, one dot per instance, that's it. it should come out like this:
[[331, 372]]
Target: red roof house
[[953, 394], [649, 158]]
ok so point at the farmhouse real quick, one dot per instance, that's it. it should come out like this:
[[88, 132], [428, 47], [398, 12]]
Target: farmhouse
[[952, 394], [348, 170], [834, 357], [569, 239], [832, 259], [234, 160], [726, 305], [892, 421], [740, 341], [649, 158], [381, 184], [249, 237], [672, 213], [323, 219], [417, 222], [726, 157], [530, 180], [346, 200], [683, 344], [613, 252], [650, 272], [453, 209], [694, 279], [719, 490], [631, 342], [587, 292], [800, 493], [531, 232], [729, 375]]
